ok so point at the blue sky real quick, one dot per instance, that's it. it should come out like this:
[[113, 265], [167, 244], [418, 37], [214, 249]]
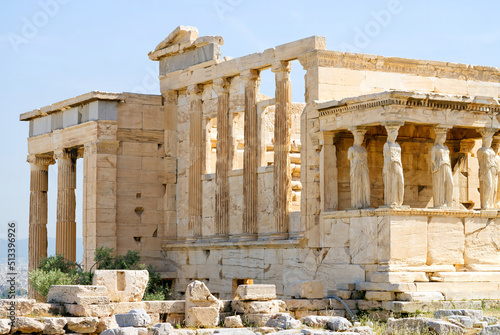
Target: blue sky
[[52, 50]]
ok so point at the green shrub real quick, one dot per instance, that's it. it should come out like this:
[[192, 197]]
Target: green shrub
[[41, 279], [57, 270]]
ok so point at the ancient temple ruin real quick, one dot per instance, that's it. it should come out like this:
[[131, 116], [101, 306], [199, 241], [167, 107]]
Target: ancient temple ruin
[[214, 181]]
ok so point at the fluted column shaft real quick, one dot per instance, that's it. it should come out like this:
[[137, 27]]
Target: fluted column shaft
[[66, 204], [39, 186], [251, 80], [282, 126], [221, 86], [196, 160]]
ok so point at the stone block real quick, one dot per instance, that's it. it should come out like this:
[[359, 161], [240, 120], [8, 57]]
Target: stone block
[[134, 318], [398, 277], [403, 240], [202, 317], [233, 322], [342, 294], [105, 323], [20, 306], [420, 296], [82, 325], [78, 294], [56, 121], [27, 325], [126, 331], [123, 285], [161, 329], [4, 326], [481, 239], [103, 110], [380, 296], [257, 320], [363, 240], [257, 307], [255, 292], [71, 117], [42, 125], [308, 289], [54, 325], [283, 321], [446, 240], [89, 310]]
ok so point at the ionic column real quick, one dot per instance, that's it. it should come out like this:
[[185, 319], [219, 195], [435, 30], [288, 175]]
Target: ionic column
[[251, 79], [221, 86], [39, 186], [66, 203], [195, 169], [282, 126]]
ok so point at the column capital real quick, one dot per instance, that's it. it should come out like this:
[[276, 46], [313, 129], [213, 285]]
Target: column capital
[[487, 132], [101, 147], [65, 154], [393, 124], [467, 145], [221, 85], [442, 128], [195, 91], [281, 66], [249, 76], [41, 159], [328, 137], [358, 130], [170, 96]]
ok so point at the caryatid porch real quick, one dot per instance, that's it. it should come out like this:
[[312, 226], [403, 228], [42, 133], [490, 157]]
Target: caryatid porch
[[415, 202]]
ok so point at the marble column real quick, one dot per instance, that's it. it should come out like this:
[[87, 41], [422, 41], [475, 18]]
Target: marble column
[[221, 86], [488, 170], [393, 176], [39, 186], [442, 177], [282, 132], [359, 172], [66, 203], [251, 79], [196, 160]]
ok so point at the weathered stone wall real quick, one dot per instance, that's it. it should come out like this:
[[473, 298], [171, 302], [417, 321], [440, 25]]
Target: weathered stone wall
[[141, 172]]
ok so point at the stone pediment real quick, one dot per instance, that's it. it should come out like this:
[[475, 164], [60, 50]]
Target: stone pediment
[[179, 35], [182, 40]]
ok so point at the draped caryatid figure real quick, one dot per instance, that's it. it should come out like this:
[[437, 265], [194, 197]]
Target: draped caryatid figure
[[393, 169], [488, 170], [442, 178], [360, 177]]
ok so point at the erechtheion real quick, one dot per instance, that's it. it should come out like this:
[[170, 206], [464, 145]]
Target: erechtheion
[[384, 181]]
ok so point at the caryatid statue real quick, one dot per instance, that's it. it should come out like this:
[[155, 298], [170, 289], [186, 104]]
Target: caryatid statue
[[488, 170], [393, 168], [442, 178], [360, 177]]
